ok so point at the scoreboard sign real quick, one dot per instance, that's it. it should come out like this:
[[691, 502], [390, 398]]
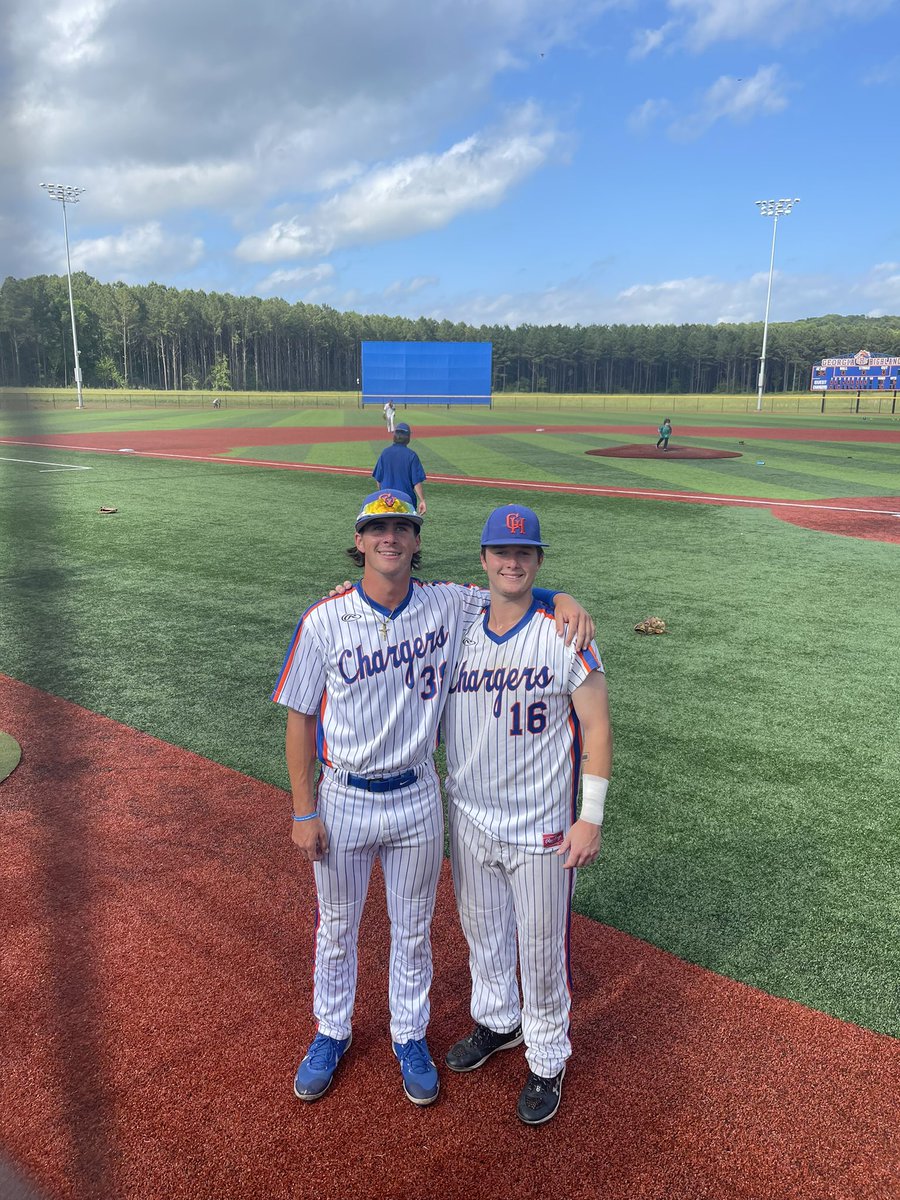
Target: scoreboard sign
[[862, 372]]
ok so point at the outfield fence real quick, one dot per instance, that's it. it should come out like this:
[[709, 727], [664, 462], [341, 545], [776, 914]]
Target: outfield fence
[[809, 404]]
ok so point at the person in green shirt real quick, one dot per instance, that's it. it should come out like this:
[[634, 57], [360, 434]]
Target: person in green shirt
[[665, 432]]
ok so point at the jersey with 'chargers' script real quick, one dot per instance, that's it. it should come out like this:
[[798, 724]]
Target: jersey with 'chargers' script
[[377, 680], [513, 739]]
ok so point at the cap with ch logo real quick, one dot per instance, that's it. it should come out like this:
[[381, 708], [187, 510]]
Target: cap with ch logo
[[512, 525]]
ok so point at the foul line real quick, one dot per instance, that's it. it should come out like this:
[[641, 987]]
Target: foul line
[[36, 462], [583, 489]]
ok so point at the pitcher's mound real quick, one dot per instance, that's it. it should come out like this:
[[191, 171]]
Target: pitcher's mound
[[641, 450]]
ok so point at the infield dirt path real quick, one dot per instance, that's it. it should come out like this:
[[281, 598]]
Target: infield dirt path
[[875, 519], [222, 439], [156, 979]]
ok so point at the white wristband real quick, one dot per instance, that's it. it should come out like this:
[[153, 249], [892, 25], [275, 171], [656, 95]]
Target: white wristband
[[593, 798]]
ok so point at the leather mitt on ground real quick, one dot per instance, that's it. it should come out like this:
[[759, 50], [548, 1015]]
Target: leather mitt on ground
[[651, 625]]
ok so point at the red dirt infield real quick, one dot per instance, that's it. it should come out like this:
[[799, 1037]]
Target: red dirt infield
[[222, 439], [157, 937], [880, 526], [205, 445], [649, 450]]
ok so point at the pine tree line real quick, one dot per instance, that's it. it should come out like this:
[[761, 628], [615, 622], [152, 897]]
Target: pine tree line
[[150, 336]]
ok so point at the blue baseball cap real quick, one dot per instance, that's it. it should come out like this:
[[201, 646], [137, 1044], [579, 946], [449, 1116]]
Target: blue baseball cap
[[402, 427], [512, 525], [387, 504]]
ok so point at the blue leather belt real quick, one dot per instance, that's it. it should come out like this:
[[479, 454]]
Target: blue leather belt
[[382, 785]]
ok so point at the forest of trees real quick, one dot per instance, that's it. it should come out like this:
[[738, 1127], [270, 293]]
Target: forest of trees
[[150, 336]]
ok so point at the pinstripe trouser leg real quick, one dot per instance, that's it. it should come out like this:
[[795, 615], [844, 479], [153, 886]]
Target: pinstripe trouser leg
[[353, 824], [412, 850], [486, 913], [503, 890], [405, 828]]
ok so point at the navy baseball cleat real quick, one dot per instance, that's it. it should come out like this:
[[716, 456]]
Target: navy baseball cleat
[[315, 1073], [420, 1077], [473, 1051], [539, 1098]]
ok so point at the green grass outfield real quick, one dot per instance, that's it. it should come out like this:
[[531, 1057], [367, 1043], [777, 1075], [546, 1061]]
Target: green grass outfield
[[752, 822], [790, 470]]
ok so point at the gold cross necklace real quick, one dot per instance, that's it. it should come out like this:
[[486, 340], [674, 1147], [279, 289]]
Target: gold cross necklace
[[382, 620]]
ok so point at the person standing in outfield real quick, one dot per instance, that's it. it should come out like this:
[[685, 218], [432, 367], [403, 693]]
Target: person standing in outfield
[[524, 715], [399, 469], [389, 411], [365, 680], [665, 432]]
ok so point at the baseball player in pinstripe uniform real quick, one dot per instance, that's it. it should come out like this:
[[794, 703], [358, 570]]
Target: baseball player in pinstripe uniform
[[525, 713], [365, 680]]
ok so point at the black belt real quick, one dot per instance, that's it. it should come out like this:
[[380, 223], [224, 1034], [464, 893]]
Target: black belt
[[382, 785]]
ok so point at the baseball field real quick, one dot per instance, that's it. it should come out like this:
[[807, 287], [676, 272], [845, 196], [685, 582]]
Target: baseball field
[[736, 958]]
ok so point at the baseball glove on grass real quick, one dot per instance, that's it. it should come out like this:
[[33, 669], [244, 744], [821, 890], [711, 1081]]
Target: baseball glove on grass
[[651, 625]]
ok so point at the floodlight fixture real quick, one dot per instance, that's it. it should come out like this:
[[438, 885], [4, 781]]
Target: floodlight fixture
[[69, 195], [773, 209]]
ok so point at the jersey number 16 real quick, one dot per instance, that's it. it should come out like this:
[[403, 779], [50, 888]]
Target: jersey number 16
[[535, 718]]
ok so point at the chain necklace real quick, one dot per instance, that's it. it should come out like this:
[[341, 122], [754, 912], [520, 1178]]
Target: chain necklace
[[381, 620]]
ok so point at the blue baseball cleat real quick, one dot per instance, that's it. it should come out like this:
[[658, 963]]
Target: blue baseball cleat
[[420, 1077], [315, 1073]]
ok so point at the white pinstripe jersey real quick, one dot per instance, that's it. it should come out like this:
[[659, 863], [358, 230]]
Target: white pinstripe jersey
[[378, 698], [513, 740]]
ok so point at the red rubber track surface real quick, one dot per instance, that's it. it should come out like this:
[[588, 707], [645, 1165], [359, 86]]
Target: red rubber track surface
[[156, 981]]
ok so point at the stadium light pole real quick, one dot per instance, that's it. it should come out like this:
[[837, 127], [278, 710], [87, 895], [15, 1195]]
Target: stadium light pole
[[69, 195], [773, 209]]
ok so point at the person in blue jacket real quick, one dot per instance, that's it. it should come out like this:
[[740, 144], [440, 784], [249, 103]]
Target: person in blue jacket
[[399, 470]]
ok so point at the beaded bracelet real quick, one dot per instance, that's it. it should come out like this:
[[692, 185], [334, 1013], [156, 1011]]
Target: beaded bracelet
[[308, 817]]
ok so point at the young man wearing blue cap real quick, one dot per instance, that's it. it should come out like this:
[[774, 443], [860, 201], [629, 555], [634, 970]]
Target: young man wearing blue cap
[[399, 469], [526, 713], [365, 680]]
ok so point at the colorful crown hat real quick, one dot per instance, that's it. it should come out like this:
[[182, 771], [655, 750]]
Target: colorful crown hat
[[387, 504]]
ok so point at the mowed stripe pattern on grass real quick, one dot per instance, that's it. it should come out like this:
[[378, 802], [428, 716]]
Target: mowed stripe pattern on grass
[[156, 967], [556, 454]]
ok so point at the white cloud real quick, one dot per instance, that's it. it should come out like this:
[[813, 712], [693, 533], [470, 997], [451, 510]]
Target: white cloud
[[648, 40], [770, 21], [298, 277], [738, 100], [879, 289], [410, 196], [647, 114], [159, 104], [410, 287], [691, 300], [131, 252], [72, 32], [886, 72]]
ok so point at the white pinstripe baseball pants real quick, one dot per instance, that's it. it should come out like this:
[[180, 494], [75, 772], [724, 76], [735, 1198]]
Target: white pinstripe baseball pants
[[405, 829], [502, 889]]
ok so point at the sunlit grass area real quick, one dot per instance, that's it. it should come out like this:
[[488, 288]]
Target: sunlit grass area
[[752, 820]]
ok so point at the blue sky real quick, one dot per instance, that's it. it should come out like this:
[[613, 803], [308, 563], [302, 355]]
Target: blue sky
[[482, 160]]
